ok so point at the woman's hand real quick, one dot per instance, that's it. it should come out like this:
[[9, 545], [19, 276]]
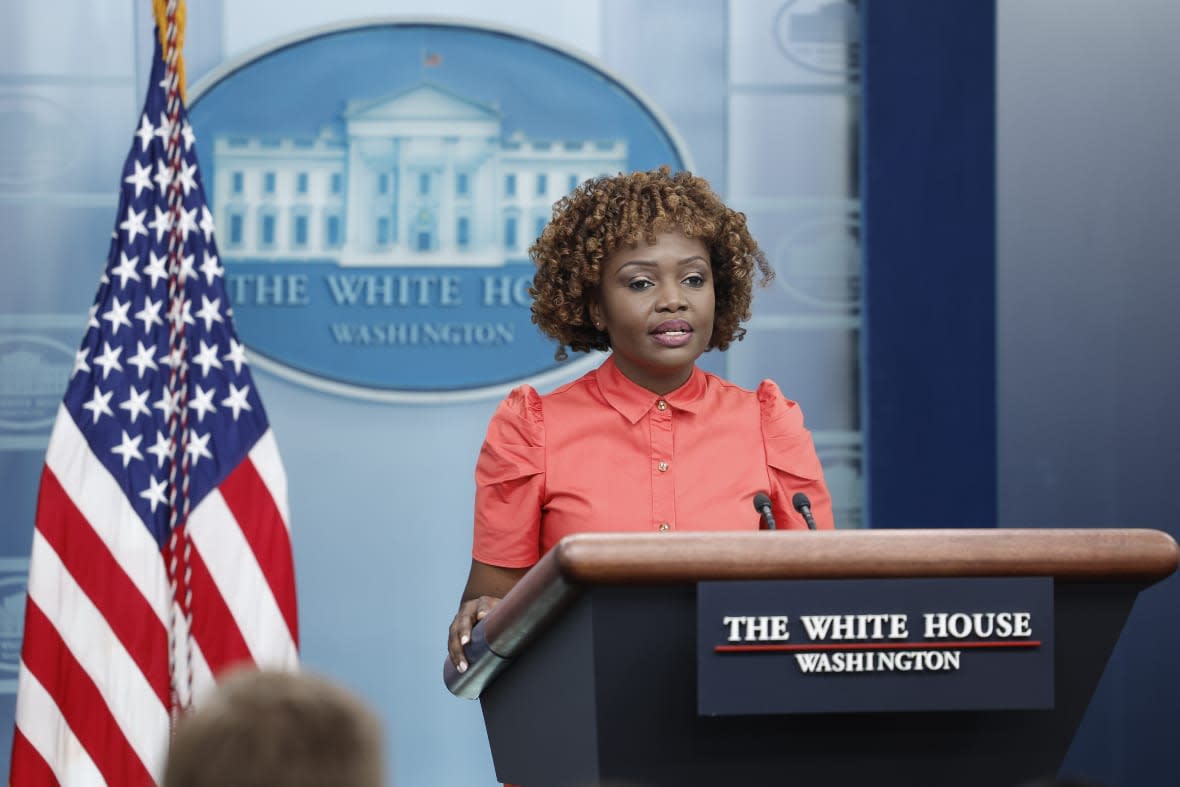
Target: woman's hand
[[470, 612], [486, 585]]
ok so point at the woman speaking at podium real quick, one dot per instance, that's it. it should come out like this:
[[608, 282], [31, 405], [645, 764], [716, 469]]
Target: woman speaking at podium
[[655, 268]]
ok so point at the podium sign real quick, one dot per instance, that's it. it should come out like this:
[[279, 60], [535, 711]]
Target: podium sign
[[865, 645], [611, 660]]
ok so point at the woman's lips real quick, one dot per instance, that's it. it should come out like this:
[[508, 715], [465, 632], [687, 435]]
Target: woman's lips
[[673, 333]]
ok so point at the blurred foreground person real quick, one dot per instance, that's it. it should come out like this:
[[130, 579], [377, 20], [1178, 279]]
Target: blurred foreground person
[[263, 729]]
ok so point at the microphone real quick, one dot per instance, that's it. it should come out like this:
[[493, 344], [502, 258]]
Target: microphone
[[803, 506], [762, 506]]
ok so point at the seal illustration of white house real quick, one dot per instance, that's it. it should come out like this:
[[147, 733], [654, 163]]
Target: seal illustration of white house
[[420, 177]]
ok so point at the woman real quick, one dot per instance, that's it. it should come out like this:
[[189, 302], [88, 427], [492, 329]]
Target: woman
[[654, 267]]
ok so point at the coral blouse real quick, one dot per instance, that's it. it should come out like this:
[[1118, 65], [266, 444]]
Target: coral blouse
[[604, 454]]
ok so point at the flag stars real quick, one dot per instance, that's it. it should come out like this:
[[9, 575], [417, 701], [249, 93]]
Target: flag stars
[[174, 366], [135, 404], [117, 315], [163, 176], [164, 129], [178, 363], [149, 315], [145, 133], [187, 176], [143, 360], [202, 402], [207, 358], [210, 268], [207, 224], [210, 312], [154, 494], [99, 404], [236, 400], [181, 312], [186, 268], [188, 222], [161, 449], [171, 359], [156, 268], [161, 223], [80, 364], [166, 404], [125, 269], [141, 178], [133, 224], [236, 355], [128, 448], [109, 359], [198, 446]]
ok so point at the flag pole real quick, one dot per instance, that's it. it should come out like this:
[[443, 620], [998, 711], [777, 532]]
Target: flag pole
[[170, 23]]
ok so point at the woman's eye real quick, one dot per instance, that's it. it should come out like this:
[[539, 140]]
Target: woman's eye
[[639, 284], [695, 280]]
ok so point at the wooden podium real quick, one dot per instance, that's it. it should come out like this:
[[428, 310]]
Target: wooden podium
[[586, 671]]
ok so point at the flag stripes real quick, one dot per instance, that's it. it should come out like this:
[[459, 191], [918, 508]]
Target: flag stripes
[[28, 765], [265, 458], [266, 533], [83, 706], [87, 560], [214, 626], [81, 627]]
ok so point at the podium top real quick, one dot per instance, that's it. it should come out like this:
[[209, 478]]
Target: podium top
[[1134, 556]]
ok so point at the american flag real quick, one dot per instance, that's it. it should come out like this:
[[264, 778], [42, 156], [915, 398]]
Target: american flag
[[161, 553]]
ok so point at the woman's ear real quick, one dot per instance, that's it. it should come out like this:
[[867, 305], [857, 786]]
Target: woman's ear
[[596, 314]]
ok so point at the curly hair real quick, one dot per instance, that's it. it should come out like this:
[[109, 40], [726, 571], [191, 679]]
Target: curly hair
[[605, 214]]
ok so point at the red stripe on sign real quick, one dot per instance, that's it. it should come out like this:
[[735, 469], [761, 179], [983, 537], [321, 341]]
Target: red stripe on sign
[[29, 768], [214, 626], [1024, 643], [81, 703], [104, 582], [251, 503]]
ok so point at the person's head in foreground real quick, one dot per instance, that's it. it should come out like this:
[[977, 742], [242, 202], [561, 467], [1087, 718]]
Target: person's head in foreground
[[263, 729], [652, 265]]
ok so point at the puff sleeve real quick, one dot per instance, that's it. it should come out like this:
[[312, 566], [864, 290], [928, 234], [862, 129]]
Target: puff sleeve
[[791, 460], [510, 483]]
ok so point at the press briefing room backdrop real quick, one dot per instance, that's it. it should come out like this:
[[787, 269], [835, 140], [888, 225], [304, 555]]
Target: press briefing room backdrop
[[970, 205]]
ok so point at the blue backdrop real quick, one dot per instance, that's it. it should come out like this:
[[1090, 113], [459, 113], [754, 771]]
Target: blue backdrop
[[1019, 175]]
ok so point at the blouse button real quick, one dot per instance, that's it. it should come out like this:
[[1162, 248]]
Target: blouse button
[[661, 405], [664, 526], [663, 466]]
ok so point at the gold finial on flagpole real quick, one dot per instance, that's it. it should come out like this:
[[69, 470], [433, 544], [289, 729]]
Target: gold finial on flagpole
[[170, 19]]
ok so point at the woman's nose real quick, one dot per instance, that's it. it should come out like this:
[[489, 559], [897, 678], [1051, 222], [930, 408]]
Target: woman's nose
[[671, 298]]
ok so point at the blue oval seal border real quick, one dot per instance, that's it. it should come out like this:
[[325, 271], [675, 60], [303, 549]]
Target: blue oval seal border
[[376, 186]]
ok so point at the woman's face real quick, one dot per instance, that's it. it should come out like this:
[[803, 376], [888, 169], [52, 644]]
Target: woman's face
[[656, 303]]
